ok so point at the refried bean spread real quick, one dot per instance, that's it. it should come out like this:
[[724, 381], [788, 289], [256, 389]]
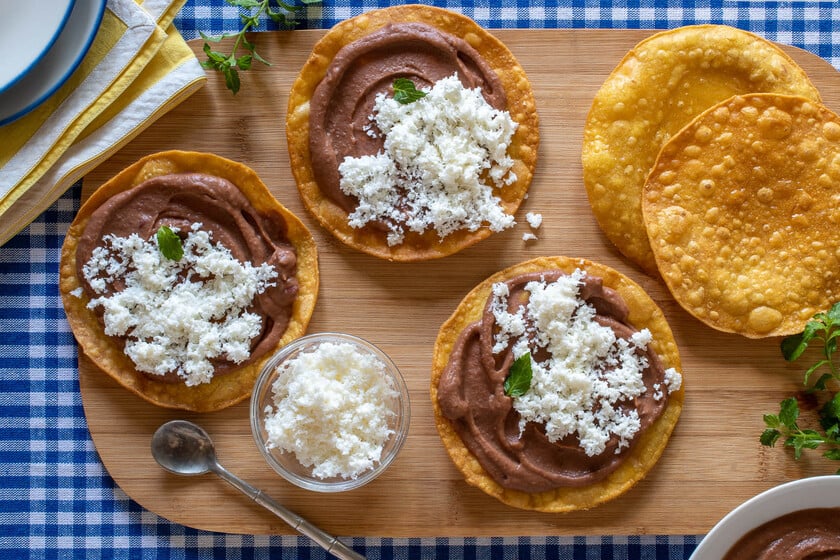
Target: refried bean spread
[[471, 395], [183, 199], [341, 106], [812, 534]]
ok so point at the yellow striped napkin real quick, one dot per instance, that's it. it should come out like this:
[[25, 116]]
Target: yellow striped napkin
[[138, 68]]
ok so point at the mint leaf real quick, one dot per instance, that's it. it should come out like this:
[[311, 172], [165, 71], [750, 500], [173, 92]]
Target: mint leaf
[[830, 413], [772, 421], [825, 329], [251, 14], [518, 380], [169, 243], [793, 346], [834, 313], [405, 92], [769, 437], [789, 412], [244, 3], [232, 81]]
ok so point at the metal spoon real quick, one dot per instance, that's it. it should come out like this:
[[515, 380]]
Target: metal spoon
[[185, 448]]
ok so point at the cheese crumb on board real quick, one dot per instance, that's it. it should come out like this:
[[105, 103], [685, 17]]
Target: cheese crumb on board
[[589, 372], [431, 172], [534, 219], [177, 316], [330, 408]]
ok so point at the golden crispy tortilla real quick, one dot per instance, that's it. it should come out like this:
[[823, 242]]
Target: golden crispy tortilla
[[226, 389], [521, 106], [742, 208], [644, 313], [659, 86]]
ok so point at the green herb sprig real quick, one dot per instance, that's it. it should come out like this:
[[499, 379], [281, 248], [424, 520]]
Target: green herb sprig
[[229, 65], [824, 329], [169, 244], [406, 92], [519, 377]]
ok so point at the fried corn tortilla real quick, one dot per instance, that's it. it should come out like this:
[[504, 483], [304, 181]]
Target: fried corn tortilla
[[644, 313], [225, 389], [659, 86], [520, 104], [742, 208]]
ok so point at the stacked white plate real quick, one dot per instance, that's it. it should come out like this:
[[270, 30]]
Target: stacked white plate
[[42, 43]]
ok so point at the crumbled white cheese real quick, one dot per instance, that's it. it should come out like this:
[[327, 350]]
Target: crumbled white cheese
[[578, 389], [534, 219], [370, 129], [673, 380], [431, 173], [658, 394], [177, 316], [330, 408]]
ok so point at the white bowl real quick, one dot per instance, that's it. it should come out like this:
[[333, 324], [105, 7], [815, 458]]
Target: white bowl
[[806, 493], [286, 463]]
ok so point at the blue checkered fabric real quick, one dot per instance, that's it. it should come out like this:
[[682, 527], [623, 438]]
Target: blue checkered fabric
[[808, 25], [56, 499]]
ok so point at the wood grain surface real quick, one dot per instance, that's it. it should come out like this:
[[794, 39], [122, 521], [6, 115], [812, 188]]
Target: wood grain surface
[[713, 462]]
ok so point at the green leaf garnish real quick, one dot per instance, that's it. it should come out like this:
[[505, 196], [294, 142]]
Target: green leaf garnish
[[405, 92], [769, 437], [824, 328], [169, 243], [789, 412], [793, 346], [518, 380], [230, 64]]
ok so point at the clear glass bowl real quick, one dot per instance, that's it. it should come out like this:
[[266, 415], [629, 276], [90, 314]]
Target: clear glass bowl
[[286, 463]]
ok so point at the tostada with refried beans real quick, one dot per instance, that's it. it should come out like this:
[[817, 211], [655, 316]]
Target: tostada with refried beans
[[556, 384], [182, 274], [412, 133]]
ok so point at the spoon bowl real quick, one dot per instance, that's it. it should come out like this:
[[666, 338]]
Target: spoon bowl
[[183, 448]]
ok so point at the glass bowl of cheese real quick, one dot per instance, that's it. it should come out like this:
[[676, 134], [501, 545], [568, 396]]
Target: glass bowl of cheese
[[330, 412]]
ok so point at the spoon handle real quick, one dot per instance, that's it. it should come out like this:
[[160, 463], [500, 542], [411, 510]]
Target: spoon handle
[[328, 542]]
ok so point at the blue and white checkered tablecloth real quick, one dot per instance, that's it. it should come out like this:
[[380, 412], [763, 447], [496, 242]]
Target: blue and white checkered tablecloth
[[57, 500]]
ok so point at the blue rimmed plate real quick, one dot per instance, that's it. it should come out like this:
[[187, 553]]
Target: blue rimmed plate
[[41, 78], [27, 31]]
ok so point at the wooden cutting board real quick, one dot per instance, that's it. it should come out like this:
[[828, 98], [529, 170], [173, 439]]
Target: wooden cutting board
[[713, 462]]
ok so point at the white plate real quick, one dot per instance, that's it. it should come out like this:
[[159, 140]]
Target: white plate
[[59, 62], [807, 493], [27, 31]]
